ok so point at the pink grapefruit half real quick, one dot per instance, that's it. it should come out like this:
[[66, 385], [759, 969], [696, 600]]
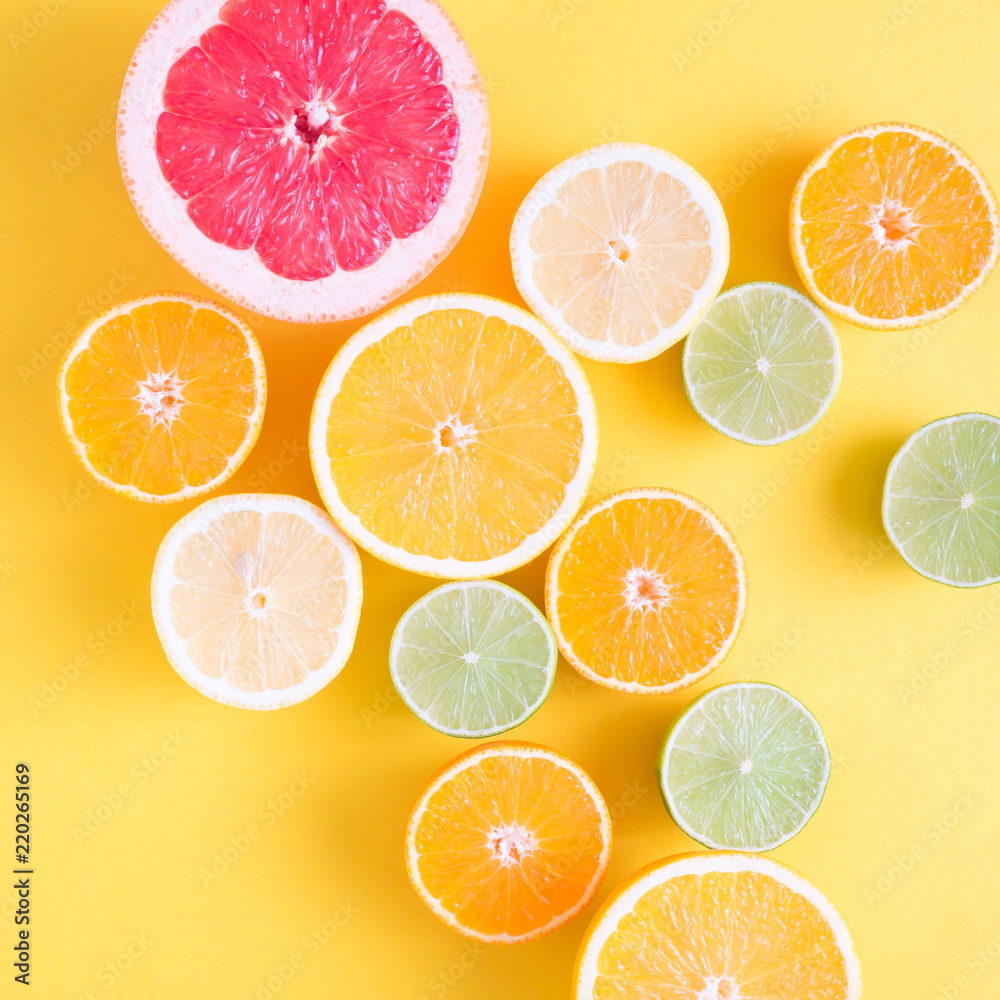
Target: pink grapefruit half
[[310, 160]]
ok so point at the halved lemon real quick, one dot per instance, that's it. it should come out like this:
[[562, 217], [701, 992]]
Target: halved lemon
[[719, 926], [509, 842], [620, 250], [893, 226], [646, 591], [162, 397], [256, 599], [454, 436]]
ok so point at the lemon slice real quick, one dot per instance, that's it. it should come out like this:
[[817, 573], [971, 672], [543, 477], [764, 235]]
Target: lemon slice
[[256, 599]]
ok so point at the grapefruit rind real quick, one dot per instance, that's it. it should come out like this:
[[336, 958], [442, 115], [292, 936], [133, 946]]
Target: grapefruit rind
[[452, 568], [506, 748], [239, 275], [163, 579]]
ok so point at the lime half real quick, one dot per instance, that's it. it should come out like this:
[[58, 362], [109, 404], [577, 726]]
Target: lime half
[[473, 659], [744, 767], [941, 506], [763, 364]]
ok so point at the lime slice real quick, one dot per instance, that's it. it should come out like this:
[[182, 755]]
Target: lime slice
[[744, 767], [473, 659], [941, 506], [763, 364]]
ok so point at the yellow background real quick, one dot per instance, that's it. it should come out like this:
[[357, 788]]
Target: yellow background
[[905, 842]]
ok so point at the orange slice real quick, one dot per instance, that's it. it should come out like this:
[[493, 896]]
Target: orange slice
[[508, 842], [162, 397], [454, 436], [892, 227], [620, 249], [646, 591], [256, 599], [719, 926]]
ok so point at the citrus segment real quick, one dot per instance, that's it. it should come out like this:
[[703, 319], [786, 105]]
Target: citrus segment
[[162, 397], [454, 436], [309, 160], [893, 226], [744, 767], [509, 842], [646, 591], [256, 599], [473, 659], [941, 505], [720, 927], [763, 364], [620, 249]]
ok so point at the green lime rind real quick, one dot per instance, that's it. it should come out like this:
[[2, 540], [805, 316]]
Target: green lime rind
[[473, 659], [744, 767], [941, 503], [763, 364]]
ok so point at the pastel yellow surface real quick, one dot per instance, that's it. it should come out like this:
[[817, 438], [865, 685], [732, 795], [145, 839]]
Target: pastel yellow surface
[[184, 849]]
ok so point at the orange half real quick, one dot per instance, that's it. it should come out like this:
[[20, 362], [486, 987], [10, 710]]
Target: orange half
[[508, 842], [893, 226], [162, 397], [646, 591], [723, 926]]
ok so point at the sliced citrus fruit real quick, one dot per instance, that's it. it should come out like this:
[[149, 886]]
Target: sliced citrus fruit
[[454, 436], [162, 397], [473, 659], [744, 767], [256, 599], [763, 364], [620, 250], [719, 926], [646, 591], [508, 842], [892, 227], [941, 505], [310, 161]]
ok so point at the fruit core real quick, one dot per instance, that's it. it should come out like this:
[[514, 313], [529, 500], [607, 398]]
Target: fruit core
[[511, 844], [645, 589], [895, 225], [160, 397]]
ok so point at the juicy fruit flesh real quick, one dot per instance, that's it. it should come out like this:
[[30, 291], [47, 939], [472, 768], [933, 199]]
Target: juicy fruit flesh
[[723, 936], [509, 844], [258, 599], [745, 768], [943, 501], [455, 436], [162, 397], [621, 252], [316, 132], [761, 364], [648, 592], [473, 659], [895, 225]]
